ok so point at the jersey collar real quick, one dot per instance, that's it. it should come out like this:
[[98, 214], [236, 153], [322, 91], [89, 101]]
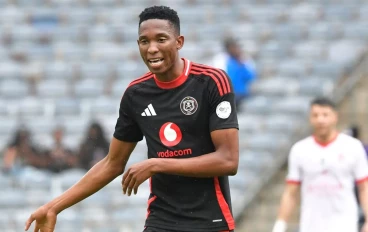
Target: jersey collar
[[177, 81], [325, 144]]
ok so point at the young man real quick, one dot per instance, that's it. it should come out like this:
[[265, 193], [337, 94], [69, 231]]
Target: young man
[[325, 166], [186, 113]]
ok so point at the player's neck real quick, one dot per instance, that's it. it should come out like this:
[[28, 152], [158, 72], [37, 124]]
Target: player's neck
[[174, 72], [327, 138]]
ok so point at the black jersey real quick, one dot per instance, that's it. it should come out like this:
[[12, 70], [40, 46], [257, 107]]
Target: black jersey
[[176, 118]]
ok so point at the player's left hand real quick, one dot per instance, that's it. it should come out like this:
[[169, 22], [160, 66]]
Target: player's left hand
[[365, 227], [136, 175]]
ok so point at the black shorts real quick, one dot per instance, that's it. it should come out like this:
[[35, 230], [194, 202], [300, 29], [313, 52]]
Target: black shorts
[[151, 229]]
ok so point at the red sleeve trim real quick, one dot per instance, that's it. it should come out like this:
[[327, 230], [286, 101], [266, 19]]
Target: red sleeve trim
[[361, 180], [221, 74], [214, 79], [297, 182], [216, 74], [223, 205]]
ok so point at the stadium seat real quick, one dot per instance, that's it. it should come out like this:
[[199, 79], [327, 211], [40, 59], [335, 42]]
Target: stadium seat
[[259, 104], [95, 70], [250, 122], [50, 89], [281, 123], [315, 86], [105, 106], [38, 124], [275, 86], [344, 12], [67, 106], [59, 70], [8, 125], [12, 15], [293, 32], [33, 178], [325, 31], [12, 199], [310, 50], [89, 88], [295, 105], [303, 12], [327, 69], [69, 177], [293, 68], [31, 106], [9, 70]]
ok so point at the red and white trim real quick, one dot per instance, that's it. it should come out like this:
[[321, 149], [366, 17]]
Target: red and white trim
[[361, 180], [223, 205], [296, 182]]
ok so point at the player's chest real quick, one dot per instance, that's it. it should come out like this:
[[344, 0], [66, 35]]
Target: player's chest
[[186, 109], [324, 160]]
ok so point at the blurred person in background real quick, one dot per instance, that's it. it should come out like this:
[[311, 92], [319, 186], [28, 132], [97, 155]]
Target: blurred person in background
[[240, 68], [94, 147], [60, 157], [324, 167], [22, 152]]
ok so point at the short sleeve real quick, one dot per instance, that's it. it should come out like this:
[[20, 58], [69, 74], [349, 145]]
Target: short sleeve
[[361, 164], [294, 175], [222, 110], [126, 128]]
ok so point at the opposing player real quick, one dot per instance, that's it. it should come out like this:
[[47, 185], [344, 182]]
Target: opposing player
[[186, 113], [325, 166]]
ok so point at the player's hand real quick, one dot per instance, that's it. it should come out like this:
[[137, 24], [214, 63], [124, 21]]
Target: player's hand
[[45, 220], [136, 175], [365, 227]]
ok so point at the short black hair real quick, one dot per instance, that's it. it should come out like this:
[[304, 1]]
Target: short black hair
[[161, 12], [230, 41], [324, 101]]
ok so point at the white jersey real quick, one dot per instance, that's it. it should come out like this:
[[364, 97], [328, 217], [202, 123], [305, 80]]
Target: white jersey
[[327, 173]]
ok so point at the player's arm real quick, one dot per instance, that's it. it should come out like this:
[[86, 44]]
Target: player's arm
[[224, 161], [292, 191], [361, 178], [126, 136], [363, 197], [97, 177], [288, 201]]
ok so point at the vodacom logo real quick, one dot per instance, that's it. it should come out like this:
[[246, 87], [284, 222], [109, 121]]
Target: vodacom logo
[[170, 134]]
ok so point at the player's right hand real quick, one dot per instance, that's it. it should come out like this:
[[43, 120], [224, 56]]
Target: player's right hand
[[45, 220]]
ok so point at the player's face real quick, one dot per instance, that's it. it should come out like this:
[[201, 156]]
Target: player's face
[[323, 119], [159, 44]]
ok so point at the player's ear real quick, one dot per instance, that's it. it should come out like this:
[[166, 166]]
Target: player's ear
[[179, 42]]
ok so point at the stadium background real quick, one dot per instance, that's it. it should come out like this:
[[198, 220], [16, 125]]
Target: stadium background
[[67, 62]]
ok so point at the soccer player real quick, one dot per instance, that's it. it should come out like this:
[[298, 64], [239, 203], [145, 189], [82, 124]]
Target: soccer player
[[186, 113], [325, 166]]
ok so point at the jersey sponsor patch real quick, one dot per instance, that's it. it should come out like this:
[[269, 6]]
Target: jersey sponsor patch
[[188, 105], [223, 110], [170, 134]]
